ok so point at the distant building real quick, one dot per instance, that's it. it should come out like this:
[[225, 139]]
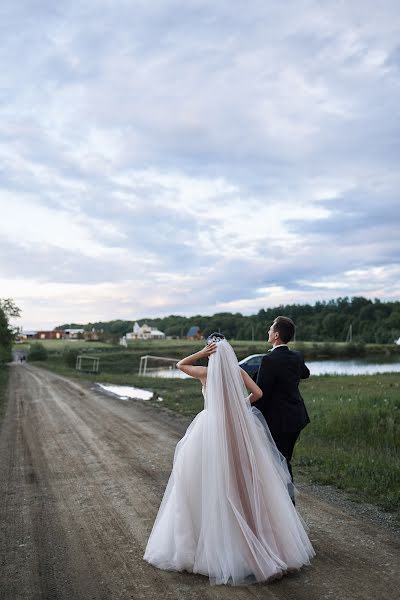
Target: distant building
[[74, 334], [24, 336], [194, 333], [50, 335], [91, 336], [144, 332]]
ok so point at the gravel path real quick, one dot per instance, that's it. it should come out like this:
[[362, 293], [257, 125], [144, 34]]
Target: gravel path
[[82, 475]]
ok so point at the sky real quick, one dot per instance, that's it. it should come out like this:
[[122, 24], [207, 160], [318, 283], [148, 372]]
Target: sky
[[197, 157]]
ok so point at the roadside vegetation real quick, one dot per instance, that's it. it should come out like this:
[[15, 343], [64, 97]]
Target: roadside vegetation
[[7, 309]]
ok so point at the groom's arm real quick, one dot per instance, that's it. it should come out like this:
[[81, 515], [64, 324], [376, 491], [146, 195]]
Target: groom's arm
[[304, 370], [266, 378]]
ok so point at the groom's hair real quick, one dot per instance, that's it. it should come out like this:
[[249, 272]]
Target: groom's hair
[[285, 327]]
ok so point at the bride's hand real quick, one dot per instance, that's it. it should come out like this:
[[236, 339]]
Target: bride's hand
[[207, 350]]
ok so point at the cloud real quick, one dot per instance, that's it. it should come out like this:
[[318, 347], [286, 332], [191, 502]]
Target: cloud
[[172, 157]]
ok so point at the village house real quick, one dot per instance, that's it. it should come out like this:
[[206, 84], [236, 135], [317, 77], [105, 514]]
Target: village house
[[144, 332], [194, 333], [24, 336], [50, 335], [74, 334], [91, 336]]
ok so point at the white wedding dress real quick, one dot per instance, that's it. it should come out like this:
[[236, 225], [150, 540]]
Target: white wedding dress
[[226, 511]]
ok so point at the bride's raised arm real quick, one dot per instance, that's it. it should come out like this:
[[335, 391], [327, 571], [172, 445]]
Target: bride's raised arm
[[256, 392], [186, 364]]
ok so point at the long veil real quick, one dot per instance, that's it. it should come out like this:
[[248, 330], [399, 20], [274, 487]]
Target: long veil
[[245, 480]]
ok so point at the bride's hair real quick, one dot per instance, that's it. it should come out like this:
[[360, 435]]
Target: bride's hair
[[215, 337]]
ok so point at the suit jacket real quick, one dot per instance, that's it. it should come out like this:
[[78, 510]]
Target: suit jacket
[[279, 377]]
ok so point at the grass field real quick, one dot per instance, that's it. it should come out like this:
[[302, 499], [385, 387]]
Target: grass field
[[61, 345], [181, 347], [353, 441]]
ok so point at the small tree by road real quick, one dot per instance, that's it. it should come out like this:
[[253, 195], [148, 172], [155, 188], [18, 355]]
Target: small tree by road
[[8, 309]]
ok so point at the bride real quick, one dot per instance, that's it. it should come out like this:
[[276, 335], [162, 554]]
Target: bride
[[226, 511]]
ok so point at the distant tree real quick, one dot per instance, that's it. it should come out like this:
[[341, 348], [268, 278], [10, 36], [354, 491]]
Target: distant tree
[[372, 321]]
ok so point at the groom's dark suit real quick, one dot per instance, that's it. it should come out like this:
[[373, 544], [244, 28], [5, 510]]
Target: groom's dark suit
[[281, 404]]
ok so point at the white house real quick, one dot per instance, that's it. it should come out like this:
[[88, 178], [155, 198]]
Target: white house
[[144, 332]]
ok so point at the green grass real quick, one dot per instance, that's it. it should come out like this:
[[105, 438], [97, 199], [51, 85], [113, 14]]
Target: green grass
[[61, 345], [353, 441]]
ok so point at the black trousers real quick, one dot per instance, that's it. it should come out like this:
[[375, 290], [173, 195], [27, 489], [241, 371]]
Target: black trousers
[[285, 442]]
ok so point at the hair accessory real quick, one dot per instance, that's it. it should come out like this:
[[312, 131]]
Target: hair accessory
[[215, 338]]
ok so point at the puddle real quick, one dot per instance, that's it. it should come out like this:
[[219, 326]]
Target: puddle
[[125, 392]]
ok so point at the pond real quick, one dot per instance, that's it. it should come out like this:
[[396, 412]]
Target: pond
[[356, 366], [124, 392]]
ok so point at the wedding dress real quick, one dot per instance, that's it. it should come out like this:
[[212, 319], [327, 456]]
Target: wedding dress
[[226, 510]]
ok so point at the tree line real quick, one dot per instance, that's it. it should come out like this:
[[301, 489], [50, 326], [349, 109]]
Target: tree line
[[343, 319]]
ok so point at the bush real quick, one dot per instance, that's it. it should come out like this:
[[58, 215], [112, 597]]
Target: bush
[[5, 355], [355, 349], [37, 352], [70, 356]]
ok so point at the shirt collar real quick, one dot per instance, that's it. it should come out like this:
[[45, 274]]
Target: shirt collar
[[279, 346]]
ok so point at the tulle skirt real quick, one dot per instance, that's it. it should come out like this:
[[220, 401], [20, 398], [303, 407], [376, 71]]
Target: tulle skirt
[[226, 512]]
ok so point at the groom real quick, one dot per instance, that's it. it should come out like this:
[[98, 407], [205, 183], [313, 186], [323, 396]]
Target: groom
[[279, 377]]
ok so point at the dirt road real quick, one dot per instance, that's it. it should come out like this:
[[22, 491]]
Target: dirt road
[[82, 475]]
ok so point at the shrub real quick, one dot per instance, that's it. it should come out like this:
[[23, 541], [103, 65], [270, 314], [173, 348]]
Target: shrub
[[355, 349], [70, 357], [5, 355], [37, 352]]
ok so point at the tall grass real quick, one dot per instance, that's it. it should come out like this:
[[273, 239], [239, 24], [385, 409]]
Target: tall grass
[[353, 441]]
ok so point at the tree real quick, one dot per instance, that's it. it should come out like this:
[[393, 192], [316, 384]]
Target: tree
[[8, 309], [5, 339]]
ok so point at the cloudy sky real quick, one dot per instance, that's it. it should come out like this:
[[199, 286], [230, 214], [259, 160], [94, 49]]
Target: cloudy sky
[[172, 157]]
